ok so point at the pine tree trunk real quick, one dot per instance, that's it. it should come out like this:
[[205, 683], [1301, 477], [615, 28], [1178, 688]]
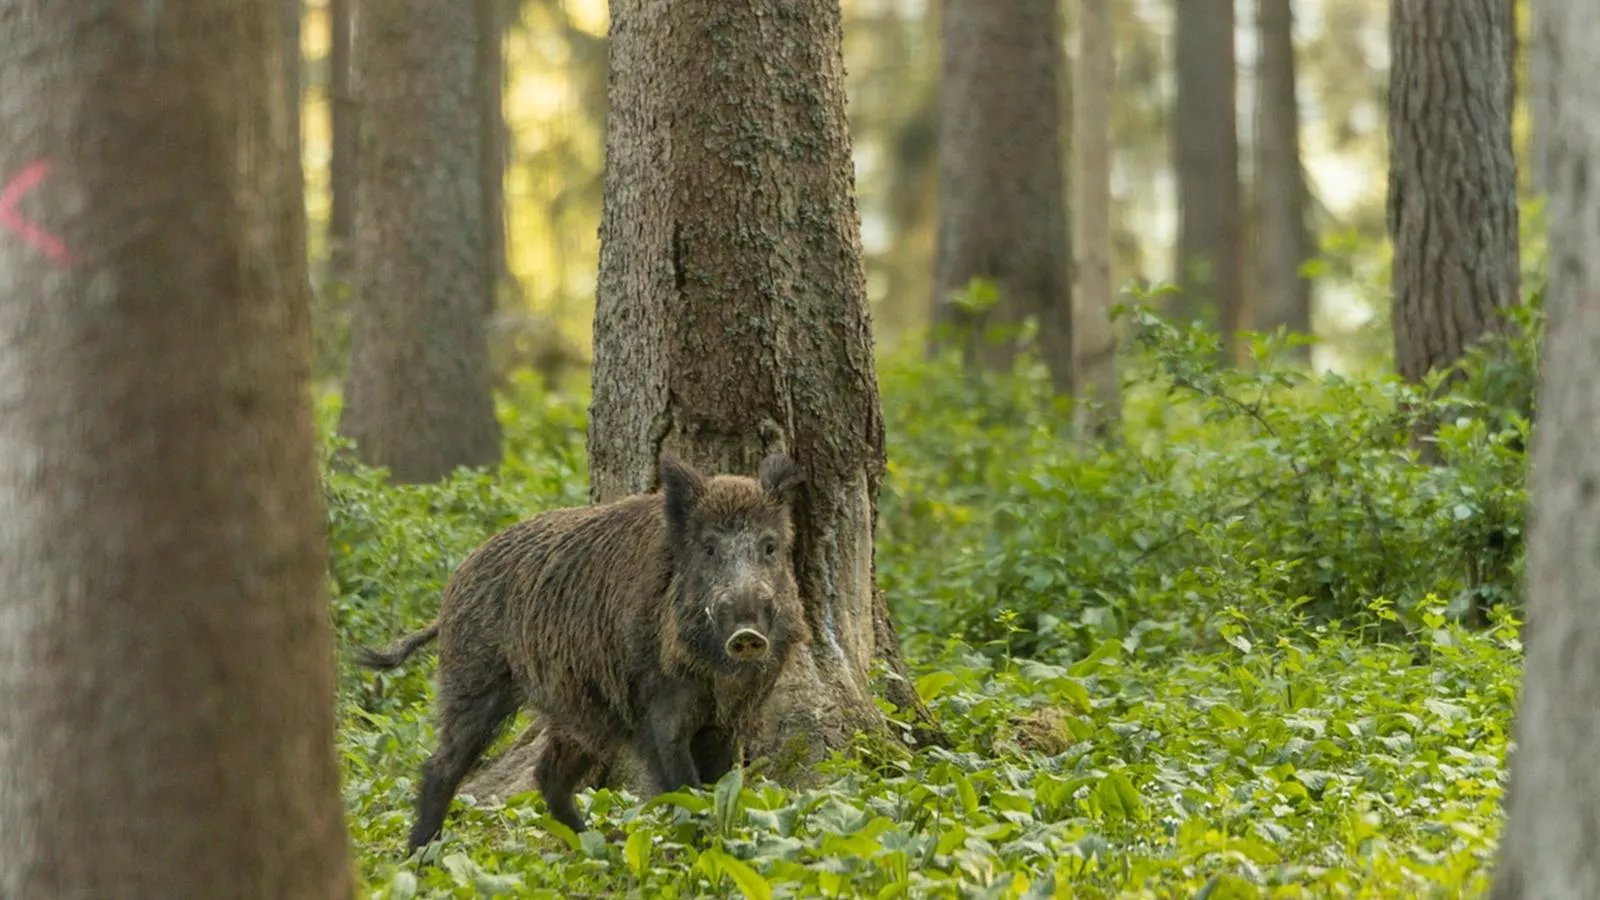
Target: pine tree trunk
[[492, 18], [731, 321], [1547, 848], [344, 117], [1283, 296], [1095, 341], [166, 659], [1452, 201], [1209, 265], [1002, 196], [418, 397]]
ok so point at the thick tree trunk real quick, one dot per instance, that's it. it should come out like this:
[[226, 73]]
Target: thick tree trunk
[[1452, 179], [1094, 340], [1002, 196], [166, 659], [731, 320], [344, 116], [1548, 845], [418, 396], [1541, 85], [1209, 265], [1283, 296]]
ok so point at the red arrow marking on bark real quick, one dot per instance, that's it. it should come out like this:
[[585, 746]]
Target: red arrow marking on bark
[[33, 235]]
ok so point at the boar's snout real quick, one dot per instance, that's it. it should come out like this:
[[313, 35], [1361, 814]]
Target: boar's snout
[[747, 645]]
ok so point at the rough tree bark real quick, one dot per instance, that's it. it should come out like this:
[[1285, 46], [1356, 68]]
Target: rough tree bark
[[343, 116], [1283, 296], [1002, 196], [1548, 845], [1095, 343], [1452, 178], [167, 665], [1209, 265], [418, 399], [731, 320]]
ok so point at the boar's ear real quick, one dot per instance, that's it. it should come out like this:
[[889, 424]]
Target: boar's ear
[[682, 487], [780, 477]]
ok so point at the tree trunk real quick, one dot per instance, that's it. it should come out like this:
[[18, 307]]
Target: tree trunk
[[1452, 200], [343, 119], [492, 21], [1540, 90], [731, 320], [1002, 196], [1283, 296], [166, 659], [293, 71], [1547, 847], [1095, 340], [418, 398], [1209, 268]]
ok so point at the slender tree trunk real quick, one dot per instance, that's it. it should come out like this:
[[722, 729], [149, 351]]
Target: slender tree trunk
[[1452, 200], [731, 321], [1095, 341], [166, 659], [1209, 267], [1283, 296], [1541, 71], [418, 399], [344, 116], [1548, 846], [492, 21], [1002, 196]]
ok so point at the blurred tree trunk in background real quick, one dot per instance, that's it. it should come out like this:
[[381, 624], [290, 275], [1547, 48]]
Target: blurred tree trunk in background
[[344, 116], [493, 20], [1209, 263], [731, 321], [1002, 196], [1094, 339], [1283, 296], [1548, 844], [1452, 201], [294, 92], [418, 399], [166, 658]]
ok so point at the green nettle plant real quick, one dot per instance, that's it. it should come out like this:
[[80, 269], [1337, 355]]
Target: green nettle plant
[[1254, 646]]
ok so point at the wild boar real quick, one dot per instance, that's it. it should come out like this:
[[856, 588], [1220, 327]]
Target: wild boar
[[661, 619]]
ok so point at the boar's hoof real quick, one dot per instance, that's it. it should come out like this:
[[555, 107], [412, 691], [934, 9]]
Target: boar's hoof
[[747, 645]]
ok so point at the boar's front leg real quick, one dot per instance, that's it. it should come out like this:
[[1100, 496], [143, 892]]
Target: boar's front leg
[[713, 750], [673, 717]]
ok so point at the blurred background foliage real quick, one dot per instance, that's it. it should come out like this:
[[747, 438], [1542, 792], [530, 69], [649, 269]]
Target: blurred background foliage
[[555, 108]]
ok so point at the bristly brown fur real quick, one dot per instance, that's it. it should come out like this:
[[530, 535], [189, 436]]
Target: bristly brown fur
[[600, 620]]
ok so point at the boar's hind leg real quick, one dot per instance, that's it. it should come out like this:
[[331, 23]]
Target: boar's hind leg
[[560, 767], [470, 715], [712, 749]]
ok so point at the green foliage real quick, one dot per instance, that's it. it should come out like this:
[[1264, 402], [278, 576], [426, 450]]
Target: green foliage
[[1221, 656]]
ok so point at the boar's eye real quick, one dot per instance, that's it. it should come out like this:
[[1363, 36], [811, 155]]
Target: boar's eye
[[710, 549], [769, 547]]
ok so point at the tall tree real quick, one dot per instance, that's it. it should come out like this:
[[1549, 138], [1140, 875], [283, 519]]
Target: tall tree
[[164, 635], [1209, 265], [418, 398], [493, 18], [1452, 178], [1547, 850], [1282, 296], [343, 118], [731, 320], [1002, 198], [1094, 340]]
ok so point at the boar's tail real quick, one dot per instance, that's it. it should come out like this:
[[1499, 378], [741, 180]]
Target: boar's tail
[[399, 651]]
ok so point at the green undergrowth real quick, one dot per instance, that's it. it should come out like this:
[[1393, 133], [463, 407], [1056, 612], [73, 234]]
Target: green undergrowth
[[1252, 647]]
